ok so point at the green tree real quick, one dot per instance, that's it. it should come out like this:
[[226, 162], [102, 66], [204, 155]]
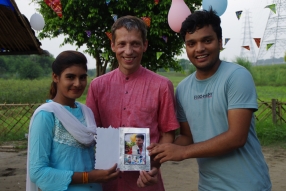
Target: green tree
[[94, 16], [30, 70]]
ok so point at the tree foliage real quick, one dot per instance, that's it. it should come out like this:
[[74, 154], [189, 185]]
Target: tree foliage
[[25, 66], [95, 16]]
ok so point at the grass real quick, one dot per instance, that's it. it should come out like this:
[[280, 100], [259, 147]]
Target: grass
[[270, 84]]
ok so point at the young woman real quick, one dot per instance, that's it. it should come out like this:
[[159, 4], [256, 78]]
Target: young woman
[[61, 153]]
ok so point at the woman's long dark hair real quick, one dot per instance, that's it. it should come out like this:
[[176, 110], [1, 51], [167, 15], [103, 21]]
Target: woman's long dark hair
[[64, 60]]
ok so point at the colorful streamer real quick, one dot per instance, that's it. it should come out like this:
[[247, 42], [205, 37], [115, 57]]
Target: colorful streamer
[[88, 33], [238, 14], [272, 7], [109, 35], [156, 2], [147, 21], [269, 45], [246, 47], [114, 16], [55, 6], [226, 40], [165, 38], [257, 41], [158, 54]]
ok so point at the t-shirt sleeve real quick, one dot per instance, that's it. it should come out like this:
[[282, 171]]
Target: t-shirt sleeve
[[180, 113], [40, 146], [241, 91], [167, 115]]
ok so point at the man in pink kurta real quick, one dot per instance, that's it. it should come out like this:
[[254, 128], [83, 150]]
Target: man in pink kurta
[[132, 96]]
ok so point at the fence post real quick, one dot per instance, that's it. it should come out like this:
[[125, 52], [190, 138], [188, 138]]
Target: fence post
[[274, 116]]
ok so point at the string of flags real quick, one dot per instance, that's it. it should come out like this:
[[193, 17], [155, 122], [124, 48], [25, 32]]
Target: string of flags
[[272, 7], [56, 6]]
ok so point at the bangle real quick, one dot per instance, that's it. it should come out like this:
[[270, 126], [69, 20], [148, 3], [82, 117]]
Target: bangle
[[84, 177]]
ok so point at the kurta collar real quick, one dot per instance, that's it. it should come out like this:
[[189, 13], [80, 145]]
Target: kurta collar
[[131, 76]]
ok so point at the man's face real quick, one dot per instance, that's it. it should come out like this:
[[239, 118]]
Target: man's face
[[203, 48], [139, 142], [129, 48]]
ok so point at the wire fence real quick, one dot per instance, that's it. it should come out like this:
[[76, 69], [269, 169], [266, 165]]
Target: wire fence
[[15, 118]]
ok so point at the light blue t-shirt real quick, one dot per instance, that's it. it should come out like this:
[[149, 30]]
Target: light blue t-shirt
[[204, 105], [55, 155]]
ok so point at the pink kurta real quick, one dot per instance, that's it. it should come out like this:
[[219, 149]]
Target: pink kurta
[[142, 99]]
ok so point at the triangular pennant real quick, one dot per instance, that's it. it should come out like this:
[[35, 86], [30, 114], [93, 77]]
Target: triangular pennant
[[226, 40], [88, 33], [272, 7], [107, 2], [55, 6], [109, 35], [238, 14], [257, 41], [158, 54], [269, 45], [156, 2], [246, 47], [147, 21], [165, 38], [114, 16]]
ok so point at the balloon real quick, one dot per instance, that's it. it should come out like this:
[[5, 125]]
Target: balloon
[[218, 5], [178, 12], [37, 21]]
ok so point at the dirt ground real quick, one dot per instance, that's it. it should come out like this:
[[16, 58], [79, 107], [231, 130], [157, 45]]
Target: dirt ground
[[178, 176]]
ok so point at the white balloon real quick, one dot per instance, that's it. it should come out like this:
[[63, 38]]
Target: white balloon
[[37, 21]]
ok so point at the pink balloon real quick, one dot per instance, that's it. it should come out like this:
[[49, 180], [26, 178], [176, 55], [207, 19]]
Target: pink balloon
[[178, 12]]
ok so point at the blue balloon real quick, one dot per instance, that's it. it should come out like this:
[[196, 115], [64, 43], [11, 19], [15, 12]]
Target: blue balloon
[[218, 5]]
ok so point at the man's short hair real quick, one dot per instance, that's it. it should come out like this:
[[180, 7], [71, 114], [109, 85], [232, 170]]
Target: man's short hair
[[140, 136], [200, 19], [130, 23]]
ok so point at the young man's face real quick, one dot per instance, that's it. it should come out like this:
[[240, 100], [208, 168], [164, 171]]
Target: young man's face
[[203, 48], [139, 142], [129, 49]]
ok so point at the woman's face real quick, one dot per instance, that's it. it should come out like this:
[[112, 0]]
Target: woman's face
[[70, 84]]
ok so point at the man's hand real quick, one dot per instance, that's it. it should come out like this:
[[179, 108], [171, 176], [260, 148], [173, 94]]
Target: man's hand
[[148, 178], [166, 152]]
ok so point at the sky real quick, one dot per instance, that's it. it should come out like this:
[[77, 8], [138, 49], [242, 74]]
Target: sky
[[231, 28]]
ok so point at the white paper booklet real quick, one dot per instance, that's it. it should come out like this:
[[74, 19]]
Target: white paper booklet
[[125, 146]]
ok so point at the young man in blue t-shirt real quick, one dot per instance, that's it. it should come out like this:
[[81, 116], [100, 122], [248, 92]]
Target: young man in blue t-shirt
[[215, 108]]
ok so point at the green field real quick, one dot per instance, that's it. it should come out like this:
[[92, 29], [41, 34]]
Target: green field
[[36, 91]]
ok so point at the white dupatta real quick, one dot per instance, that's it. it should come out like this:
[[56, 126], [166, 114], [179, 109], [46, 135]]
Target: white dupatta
[[83, 134]]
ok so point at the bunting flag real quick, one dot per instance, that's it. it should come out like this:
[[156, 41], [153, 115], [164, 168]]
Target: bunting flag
[[257, 41], [272, 7], [246, 47], [114, 16], [88, 33], [109, 35], [269, 45], [156, 2], [238, 14], [226, 40], [147, 21], [107, 2], [105, 55], [165, 38], [159, 54], [55, 6]]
